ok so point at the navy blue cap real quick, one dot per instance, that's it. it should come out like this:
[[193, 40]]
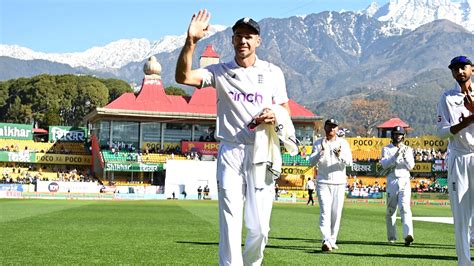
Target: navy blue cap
[[247, 22], [460, 60], [331, 121], [398, 130]]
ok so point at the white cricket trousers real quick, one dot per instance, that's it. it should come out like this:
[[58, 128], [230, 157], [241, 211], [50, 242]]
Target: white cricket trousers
[[236, 193], [331, 201], [398, 196], [461, 197]]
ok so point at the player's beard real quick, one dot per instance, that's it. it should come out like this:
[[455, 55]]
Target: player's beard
[[396, 141], [461, 79]]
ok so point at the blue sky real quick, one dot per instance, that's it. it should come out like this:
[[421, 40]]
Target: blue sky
[[76, 25]]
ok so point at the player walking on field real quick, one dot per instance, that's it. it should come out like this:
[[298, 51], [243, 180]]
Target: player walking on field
[[398, 159], [331, 154], [456, 122], [310, 186], [245, 87]]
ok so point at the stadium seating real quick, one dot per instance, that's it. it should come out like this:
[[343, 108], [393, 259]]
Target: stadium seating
[[47, 147], [51, 173], [366, 155], [294, 160], [123, 156], [357, 155], [443, 182]]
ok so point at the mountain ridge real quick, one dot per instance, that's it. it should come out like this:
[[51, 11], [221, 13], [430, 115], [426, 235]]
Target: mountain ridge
[[398, 15], [329, 56]]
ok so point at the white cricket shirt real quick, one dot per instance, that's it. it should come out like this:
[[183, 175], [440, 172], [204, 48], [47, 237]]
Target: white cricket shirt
[[450, 108], [242, 93], [399, 166], [331, 169]]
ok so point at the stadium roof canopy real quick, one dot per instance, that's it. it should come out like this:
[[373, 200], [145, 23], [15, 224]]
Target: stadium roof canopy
[[393, 122]]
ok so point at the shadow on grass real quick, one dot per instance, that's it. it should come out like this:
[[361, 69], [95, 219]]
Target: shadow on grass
[[398, 244], [370, 243], [199, 243], [399, 256], [316, 250]]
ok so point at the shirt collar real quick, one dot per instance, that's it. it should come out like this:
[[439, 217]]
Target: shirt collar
[[457, 88], [257, 63]]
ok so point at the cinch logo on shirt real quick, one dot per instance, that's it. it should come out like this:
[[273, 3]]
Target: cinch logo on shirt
[[246, 97]]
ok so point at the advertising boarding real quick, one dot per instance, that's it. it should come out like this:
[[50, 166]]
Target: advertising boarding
[[16, 131], [67, 134]]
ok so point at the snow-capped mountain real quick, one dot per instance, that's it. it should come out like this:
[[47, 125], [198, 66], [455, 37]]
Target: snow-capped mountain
[[410, 14], [112, 56]]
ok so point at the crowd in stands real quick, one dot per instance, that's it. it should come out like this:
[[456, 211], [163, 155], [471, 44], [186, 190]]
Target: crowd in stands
[[30, 174], [123, 152], [419, 184], [361, 183], [427, 155], [56, 148], [116, 147]]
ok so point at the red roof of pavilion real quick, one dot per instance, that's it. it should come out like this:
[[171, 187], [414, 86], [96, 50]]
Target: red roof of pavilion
[[393, 122], [39, 130], [152, 98], [209, 52]]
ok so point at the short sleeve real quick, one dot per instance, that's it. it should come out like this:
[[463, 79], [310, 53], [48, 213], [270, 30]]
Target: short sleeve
[[207, 75], [443, 123], [280, 95]]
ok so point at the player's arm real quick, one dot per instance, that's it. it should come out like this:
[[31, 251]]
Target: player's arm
[[197, 30], [409, 158], [387, 160], [346, 154], [465, 122], [316, 152], [443, 124], [445, 127]]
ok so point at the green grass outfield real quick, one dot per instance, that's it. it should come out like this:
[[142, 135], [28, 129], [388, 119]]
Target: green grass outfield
[[186, 232]]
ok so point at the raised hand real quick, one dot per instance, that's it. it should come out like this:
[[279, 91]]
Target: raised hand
[[199, 26]]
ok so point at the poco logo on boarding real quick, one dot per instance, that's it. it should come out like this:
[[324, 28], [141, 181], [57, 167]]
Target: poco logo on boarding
[[246, 97], [53, 187]]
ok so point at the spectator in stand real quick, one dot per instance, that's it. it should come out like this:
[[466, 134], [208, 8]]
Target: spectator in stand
[[184, 194], [199, 190], [206, 192]]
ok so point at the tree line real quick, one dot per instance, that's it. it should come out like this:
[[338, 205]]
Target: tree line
[[46, 100]]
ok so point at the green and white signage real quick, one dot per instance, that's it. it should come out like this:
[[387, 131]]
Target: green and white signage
[[133, 167], [71, 134], [16, 131]]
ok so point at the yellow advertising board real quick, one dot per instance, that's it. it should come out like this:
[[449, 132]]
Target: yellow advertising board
[[157, 145], [295, 176], [421, 168], [425, 142], [367, 144], [304, 150], [48, 158]]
